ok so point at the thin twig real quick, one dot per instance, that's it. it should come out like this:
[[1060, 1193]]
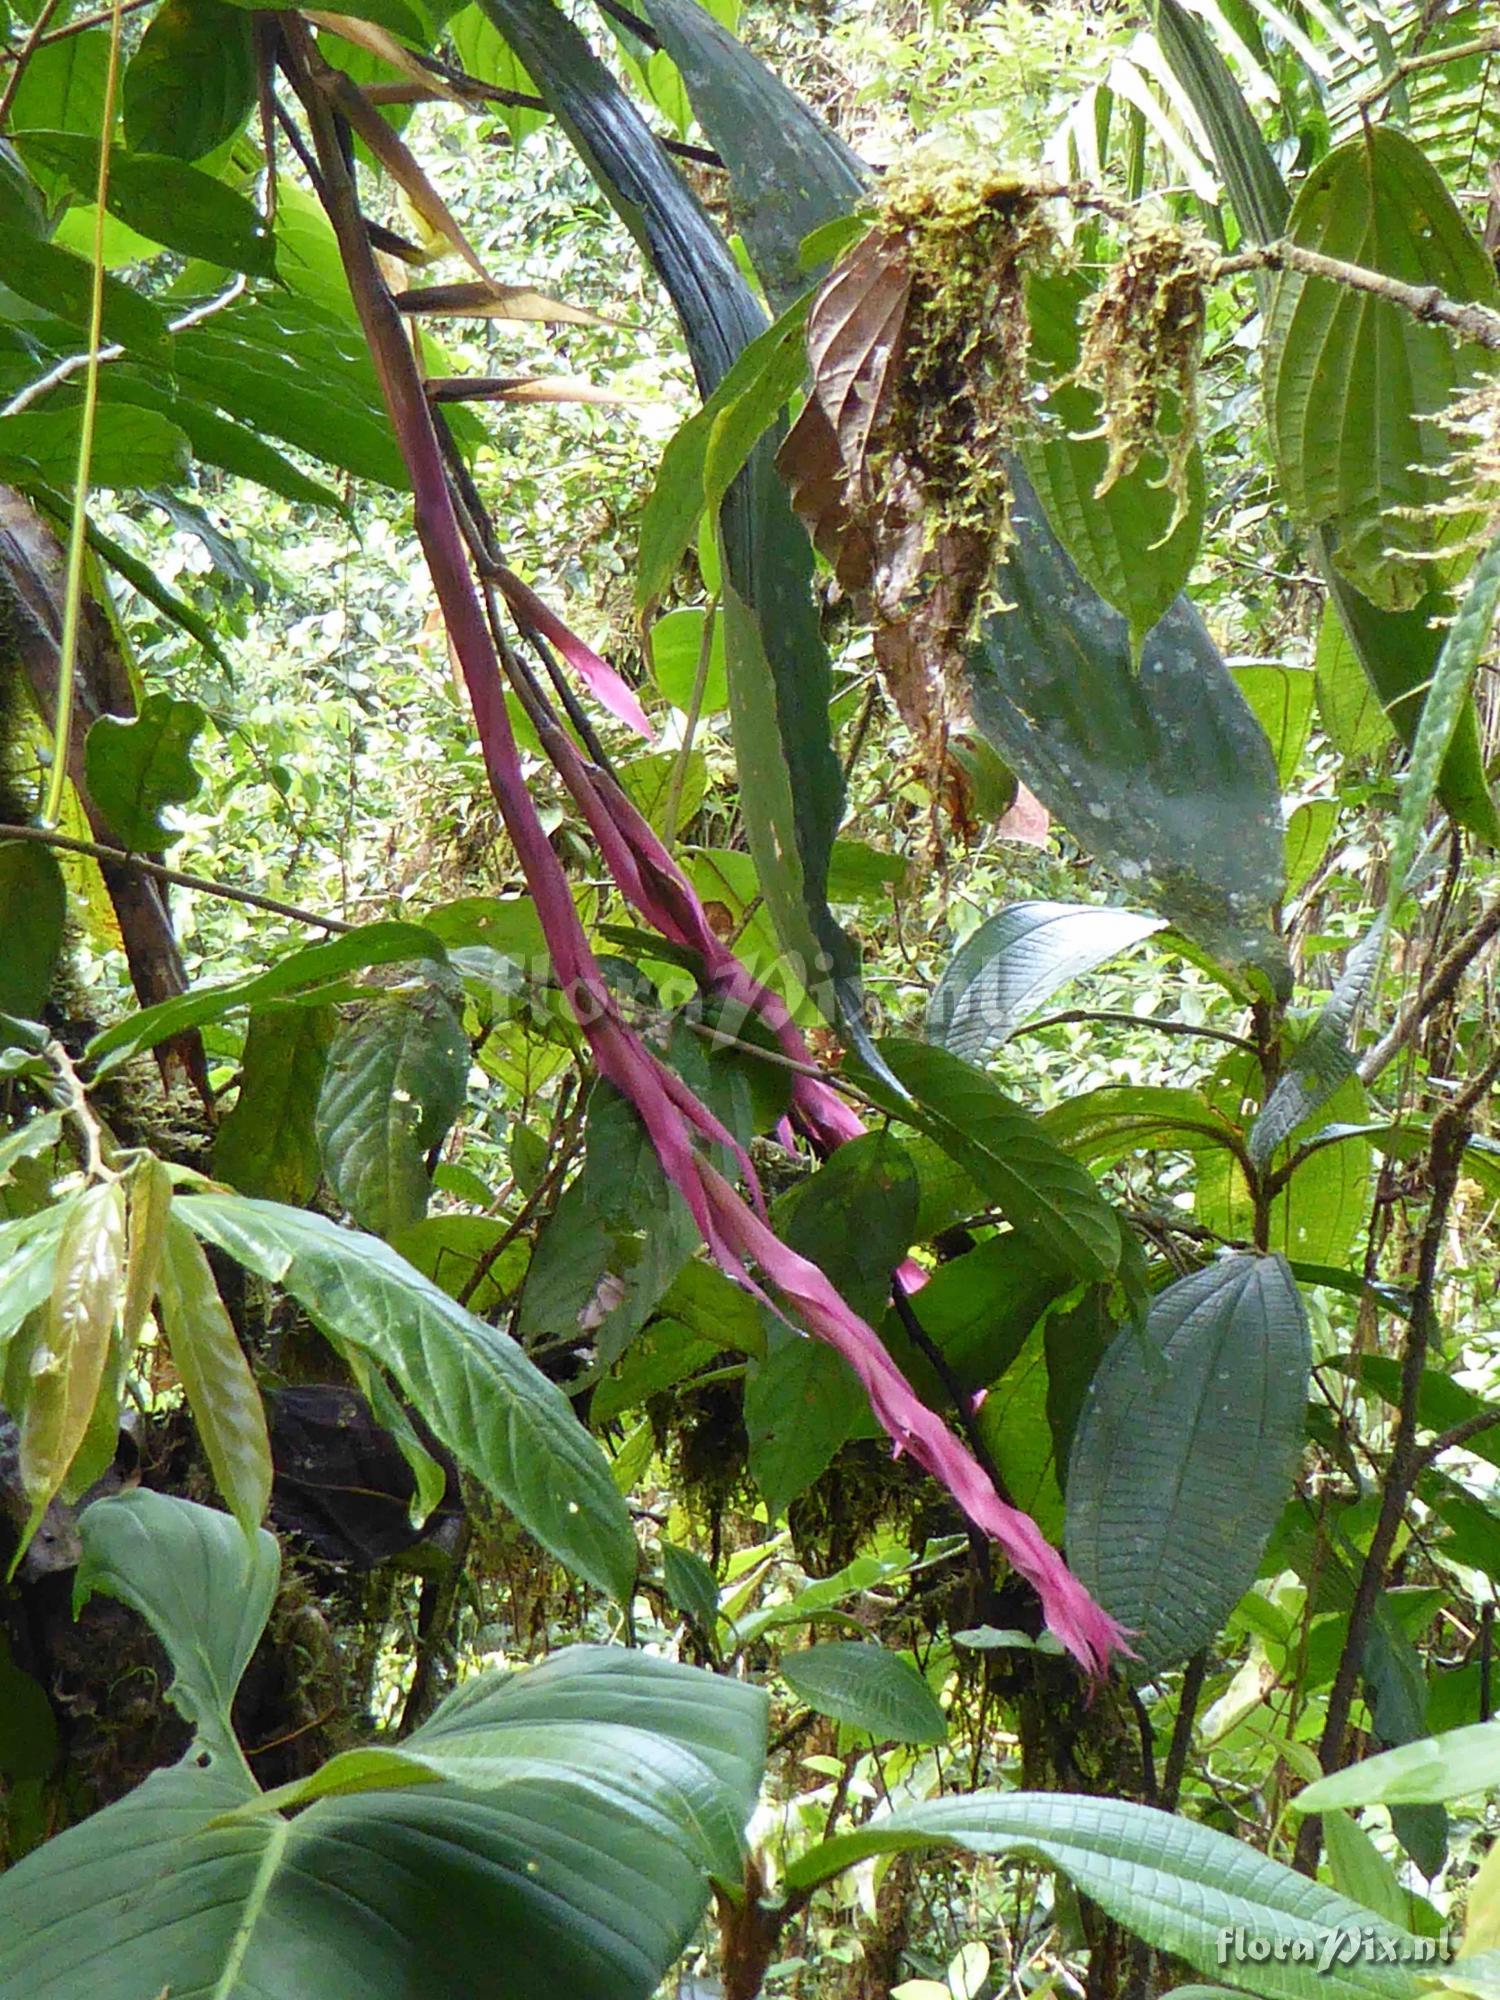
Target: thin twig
[[1442, 985], [70, 364], [1123, 1019], [1428, 303], [1479, 45], [1182, 1730], [81, 26], [119, 857]]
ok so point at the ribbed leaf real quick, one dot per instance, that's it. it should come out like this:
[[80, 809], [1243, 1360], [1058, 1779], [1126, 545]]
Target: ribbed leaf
[[1043, 1193], [510, 1427], [1464, 646], [1162, 770], [1179, 1885], [1016, 960], [1324, 1059], [512, 1861], [394, 1082], [1184, 1453], [1255, 188], [1353, 383], [1124, 541], [867, 1687]]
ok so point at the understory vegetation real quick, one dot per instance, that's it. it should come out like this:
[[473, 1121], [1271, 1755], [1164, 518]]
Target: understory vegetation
[[748, 913]]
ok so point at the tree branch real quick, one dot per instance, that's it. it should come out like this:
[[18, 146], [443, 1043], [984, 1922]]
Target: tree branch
[[1428, 303]]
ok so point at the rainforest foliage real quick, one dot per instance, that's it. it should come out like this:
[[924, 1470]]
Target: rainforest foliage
[[747, 1033]]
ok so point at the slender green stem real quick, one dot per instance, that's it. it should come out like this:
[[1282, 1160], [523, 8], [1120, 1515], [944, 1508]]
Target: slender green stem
[[62, 736]]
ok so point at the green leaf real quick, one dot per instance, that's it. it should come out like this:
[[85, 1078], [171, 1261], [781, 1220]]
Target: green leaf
[[1322, 1209], [66, 1366], [856, 1218], [1184, 1454], [204, 1588], [283, 366], [599, 1863], [1254, 186], [268, 1144], [691, 1585], [1309, 829], [1465, 644], [33, 917], [215, 1375], [63, 284], [28, 1257], [1122, 1118], [214, 439], [976, 1310], [1161, 771], [395, 1081], [485, 53], [1324, 1058], [1349, 709], [1124, 542], [868, 1688], [1399, 652], [801, 1403], [507, 1425], [131, 447], [135, 768], [1016, 961], [190, 84], [62, 88], [314, 966], [676, 648], [788, 172], [1353, 384], [1181, 1886], [1432, 1771], [160, 196], [1040, 1190], [1280, 699]]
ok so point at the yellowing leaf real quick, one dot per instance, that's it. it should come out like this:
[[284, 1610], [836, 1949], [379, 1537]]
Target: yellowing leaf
[[215, 1375], [67, 1363], [150, 1203]]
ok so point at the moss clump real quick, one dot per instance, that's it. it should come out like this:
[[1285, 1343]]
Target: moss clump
[[964, 232], [1141, 348]]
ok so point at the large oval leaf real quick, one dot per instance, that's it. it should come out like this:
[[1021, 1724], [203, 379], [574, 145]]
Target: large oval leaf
[[500, 1417], [191, 83], [868, 1687], [1353, 383], [1184, 1453], [1161, 771], [33, 913], [1182, 1887], [394, 1083], [501, 1855], [1016, 960]]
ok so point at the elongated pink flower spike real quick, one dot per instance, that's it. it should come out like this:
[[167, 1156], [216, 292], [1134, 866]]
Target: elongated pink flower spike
[[732, 1230]]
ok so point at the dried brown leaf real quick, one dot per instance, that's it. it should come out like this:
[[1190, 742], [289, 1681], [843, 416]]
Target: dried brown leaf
[[489, 299]]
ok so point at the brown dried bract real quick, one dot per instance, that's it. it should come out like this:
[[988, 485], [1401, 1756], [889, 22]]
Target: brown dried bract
[[898, 463]]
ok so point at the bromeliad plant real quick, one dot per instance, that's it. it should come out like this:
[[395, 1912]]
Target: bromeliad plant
[[996, 452]]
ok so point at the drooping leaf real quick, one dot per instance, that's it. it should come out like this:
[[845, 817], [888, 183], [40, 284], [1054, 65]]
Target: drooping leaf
[[976, 1310], [1016, 960], [1324, 1058], [1353, 383], [1178, 1884], [1349, 709], [137, 767], [869, 1688], [67, 1364], [1040, 1190], [211, 1365], [131, 448], [1464, 645], [758, 126], [1117, 1119], [1280, 698], [190, 83], [163, 198], [33, 915], [1162, 771], [1127, 541], [53, 278], [268, 1144], [149, 1206], [1240, 152], [311, 967], [28, 1257], [1184, 1453], [394, 1082], [596, 1868], [856, 1218], [801, 1403], [779, 676], [509, 1427]]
